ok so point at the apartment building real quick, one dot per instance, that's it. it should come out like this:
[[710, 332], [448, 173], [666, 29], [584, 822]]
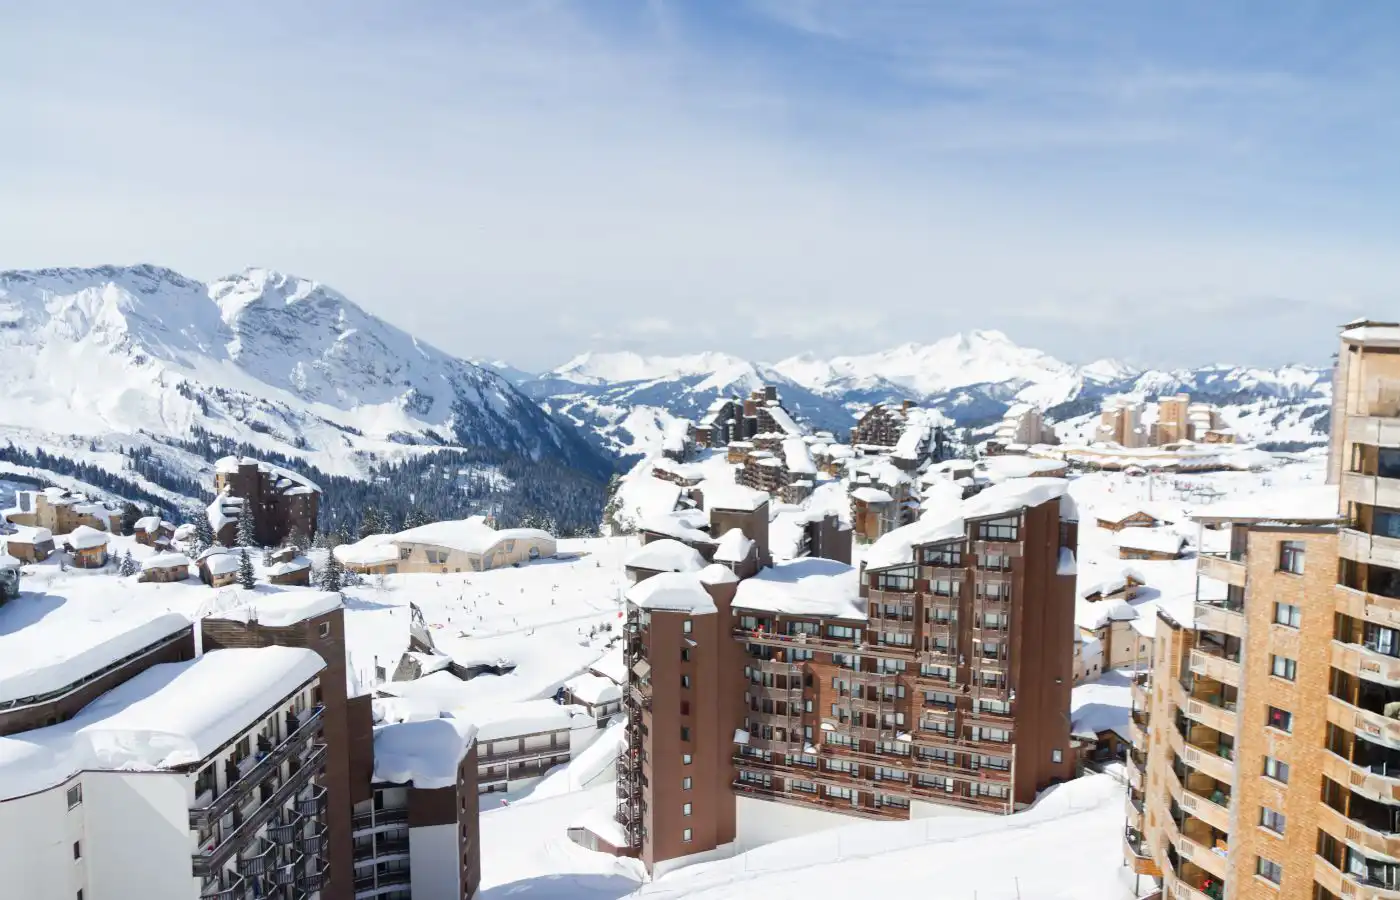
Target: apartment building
[[882, 425], [194, 779], [1022, 426], [61, 511], [1120, 423], [733, 419], [922, 681], [283, 503], [1264, 758]]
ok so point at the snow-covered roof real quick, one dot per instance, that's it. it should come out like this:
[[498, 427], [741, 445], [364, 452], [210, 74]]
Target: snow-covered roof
[[29, 534], [798, 457], [494, 721], [424, 753], [733, 547], [1112, 583], [729, 495], [217, 514], [374, 550], [164, 561], [593, 689], [85, 537], [897, 547], [279, 608], [675, 434], [147, 524], [612, 664], [1102, 705], [288, 567], [1374, 335], [679, 525], [804, 587], [172, 714], [1155, 540], [285, 480], [717, 574], [184, 532], [666, 555], [1000, 468], [784, 421], [672, 592], [867, 494], [221, 563], [1303, 503], [470, 535], [1117, 512]]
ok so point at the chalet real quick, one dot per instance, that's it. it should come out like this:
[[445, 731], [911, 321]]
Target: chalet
[[1122, 586], [296, 571], [1150, 543], [165, 567], [150, 531], [1117, 518], [600, 696], [218, 566], [87, 546], [30, 544]]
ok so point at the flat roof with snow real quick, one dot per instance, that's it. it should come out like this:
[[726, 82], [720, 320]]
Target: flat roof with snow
[[672, 592], [804, 587], [729, 495], [424, 753], [666, 555], [170, 715], [1312, 503]]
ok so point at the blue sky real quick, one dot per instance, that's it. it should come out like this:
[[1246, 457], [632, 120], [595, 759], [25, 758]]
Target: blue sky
[[1169, 183]]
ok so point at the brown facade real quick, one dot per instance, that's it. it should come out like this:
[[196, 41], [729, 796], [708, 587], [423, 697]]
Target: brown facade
[[278, 517], [1137, 519], [39, 712], [326, 635], [957, 699], [881, 426], [456, 806], [63, 513]]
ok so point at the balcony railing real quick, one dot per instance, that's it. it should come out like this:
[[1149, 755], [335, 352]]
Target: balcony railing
[[258, 772], [237, 889], [1222, 567], [257, 859], [313, 801], [801, 639], [213, 858], [1366, 661]]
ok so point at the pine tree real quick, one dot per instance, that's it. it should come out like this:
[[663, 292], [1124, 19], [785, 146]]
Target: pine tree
[[371, 523], [203, 533], [246, 536], [127, 567], [246, 578], [130, 513], [416, 516], [330, 575]]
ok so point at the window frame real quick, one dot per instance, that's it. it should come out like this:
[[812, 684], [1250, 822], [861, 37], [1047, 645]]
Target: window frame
[[1290, 667], [1278, 718], [1280, 768], [1292, 557], [1289, 615]]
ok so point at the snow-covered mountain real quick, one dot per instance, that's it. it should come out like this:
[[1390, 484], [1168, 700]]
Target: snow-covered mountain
[[281, 363], [625, 399]]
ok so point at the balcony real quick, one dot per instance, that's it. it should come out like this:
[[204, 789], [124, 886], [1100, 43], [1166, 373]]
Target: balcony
[[1347, 884], [1373, 726], [1221, 568], [1212, 662], [1141, 691], [213, 857], [315, 842], [639, 695], [312, 802], [364, 823], [1136, 855], [1369, 548], [1379, 430], [237, 889], [1372, 490], [1195, 851], [771, 692], [257, 859], [1208, 761], [1215, 814], [1220, 616], [1184, 890], [1214, 713], [1358, 834], [257, 771], [1365, 662], [812, 641], [288, 874], [1379, 786]]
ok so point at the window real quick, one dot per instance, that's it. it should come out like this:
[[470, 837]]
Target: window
[[685, 759], [999, 529], [77, 849], [841, 632], [1283, 667], [685, 836], [1057, 756], [943, 557], [1274, 821], [1276, 770], [1270, 870], [895, 580], [685, 783], [685, 809], [685, 681], [75, 795], [324, 630], [1288, 614], [1281, 719], [685, 654], [1290, 557], [686, 626], [685, 733]]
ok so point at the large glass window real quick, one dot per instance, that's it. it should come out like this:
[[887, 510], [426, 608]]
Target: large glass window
[[999, 529], [895, 580], [1388, 463], [1291, 554], [1386, 522]]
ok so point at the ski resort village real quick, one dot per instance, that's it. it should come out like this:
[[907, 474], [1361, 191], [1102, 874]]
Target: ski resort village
[[1123, 654]]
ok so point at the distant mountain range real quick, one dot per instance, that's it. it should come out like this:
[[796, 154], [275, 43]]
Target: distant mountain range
[[623, 400]]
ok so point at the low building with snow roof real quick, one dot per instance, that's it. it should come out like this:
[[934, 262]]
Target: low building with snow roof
[[517, 743], [29, 544], [283, 504], [1116, 517], [218, 566], [1149, 543], [678, 440], [165, 567], [295, 572], [600, 696], [87, 547], [154, 765], [151, 531], [460, 545]]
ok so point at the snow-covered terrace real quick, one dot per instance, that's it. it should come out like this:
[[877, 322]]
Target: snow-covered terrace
[[810, 586]]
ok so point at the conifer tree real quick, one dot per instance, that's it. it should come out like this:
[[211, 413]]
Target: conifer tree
[[246, 580], [330, 575], [247, 536]]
